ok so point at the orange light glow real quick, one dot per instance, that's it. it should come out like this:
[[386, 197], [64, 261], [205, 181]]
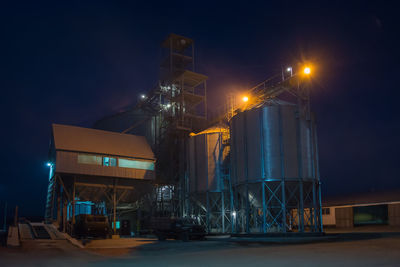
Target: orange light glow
[[245, 99], [307, 70]]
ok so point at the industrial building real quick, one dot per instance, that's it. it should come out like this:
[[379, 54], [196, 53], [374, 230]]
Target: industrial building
[[251, 167], [96, 172], [362, 209]]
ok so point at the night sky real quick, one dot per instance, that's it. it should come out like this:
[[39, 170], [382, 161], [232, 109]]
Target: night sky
[[76, 62]]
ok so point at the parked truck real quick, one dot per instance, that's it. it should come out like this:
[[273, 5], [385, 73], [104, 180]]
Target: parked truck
[[184, 229], [91, 226]]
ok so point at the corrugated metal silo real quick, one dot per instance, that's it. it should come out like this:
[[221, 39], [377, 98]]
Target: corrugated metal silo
[[274, 169], [271, 143], [209, 188], [207, 154]]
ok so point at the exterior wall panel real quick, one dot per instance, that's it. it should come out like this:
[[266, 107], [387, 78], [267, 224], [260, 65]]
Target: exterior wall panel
[[213, 161], [207, 154], [394, 214], [271, 146], [289, 139], [253, 147], [344, 217], [192, 165], [201, 170], [329, 219], [67, 162]]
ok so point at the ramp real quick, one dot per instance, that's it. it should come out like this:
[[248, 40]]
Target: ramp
[[25, 232], [12, 239], [53, 232]]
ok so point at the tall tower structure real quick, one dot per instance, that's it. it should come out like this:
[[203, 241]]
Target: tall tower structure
[[185, 90], [182, 100]]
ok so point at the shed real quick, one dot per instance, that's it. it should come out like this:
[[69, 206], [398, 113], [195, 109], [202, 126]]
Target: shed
[[108, 169], [78, 150]]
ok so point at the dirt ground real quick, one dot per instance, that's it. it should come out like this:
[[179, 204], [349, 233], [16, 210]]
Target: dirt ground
[[354, 251]]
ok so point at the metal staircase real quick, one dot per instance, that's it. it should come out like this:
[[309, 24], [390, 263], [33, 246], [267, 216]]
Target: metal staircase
[[40, 232]]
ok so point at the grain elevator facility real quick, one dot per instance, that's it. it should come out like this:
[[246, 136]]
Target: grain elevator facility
[[247, 166]]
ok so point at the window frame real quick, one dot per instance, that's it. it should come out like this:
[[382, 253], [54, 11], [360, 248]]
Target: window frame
[[110, 160], [326, 211]]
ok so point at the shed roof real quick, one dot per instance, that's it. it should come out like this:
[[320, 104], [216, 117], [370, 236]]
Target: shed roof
[[362, 198], [73, 138]]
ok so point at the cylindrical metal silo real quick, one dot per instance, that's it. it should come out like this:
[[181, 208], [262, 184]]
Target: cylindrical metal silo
[[271, 142], [274, 169], [210, 195], [207, 153]]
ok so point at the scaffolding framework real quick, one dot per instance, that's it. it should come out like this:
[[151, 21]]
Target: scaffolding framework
[[183, 91], [66, 190], [278, 206], [214, 210]]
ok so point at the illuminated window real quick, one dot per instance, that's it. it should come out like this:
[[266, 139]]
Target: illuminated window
[[108, 161], [136, 164], [326, 211], [117, 225], [89, 159]]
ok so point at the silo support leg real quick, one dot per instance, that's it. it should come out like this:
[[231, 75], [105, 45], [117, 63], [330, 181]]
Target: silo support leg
[[114, 209], [315, 207], [264, 206], [283, 202], [208, 212], [223, 211], [301, 208], [247, 209]]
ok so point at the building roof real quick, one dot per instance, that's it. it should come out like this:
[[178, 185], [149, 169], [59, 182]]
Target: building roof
[[72, 138], [362, 198]]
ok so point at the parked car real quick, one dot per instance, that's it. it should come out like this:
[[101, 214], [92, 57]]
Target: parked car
[[87, 225], [177, 228]]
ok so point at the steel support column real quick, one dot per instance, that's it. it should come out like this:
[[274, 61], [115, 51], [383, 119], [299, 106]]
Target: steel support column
[[114, 199], [208, 212], [73, 202], [301, 207]]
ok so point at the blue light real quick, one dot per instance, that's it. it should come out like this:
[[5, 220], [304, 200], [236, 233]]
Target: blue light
[[48, 164], [117, 224]]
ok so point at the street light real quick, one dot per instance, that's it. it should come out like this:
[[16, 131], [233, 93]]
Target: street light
[[289, 69], [245, 99], [307, 70], [48, 164], [143, 96]]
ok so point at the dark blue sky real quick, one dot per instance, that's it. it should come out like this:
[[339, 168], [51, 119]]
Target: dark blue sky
[[75, 62]]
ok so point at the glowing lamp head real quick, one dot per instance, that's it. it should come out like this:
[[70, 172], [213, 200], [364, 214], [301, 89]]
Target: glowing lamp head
[[307, 70], [289, 69], [48, 164], [143, 96], [245, 99]]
